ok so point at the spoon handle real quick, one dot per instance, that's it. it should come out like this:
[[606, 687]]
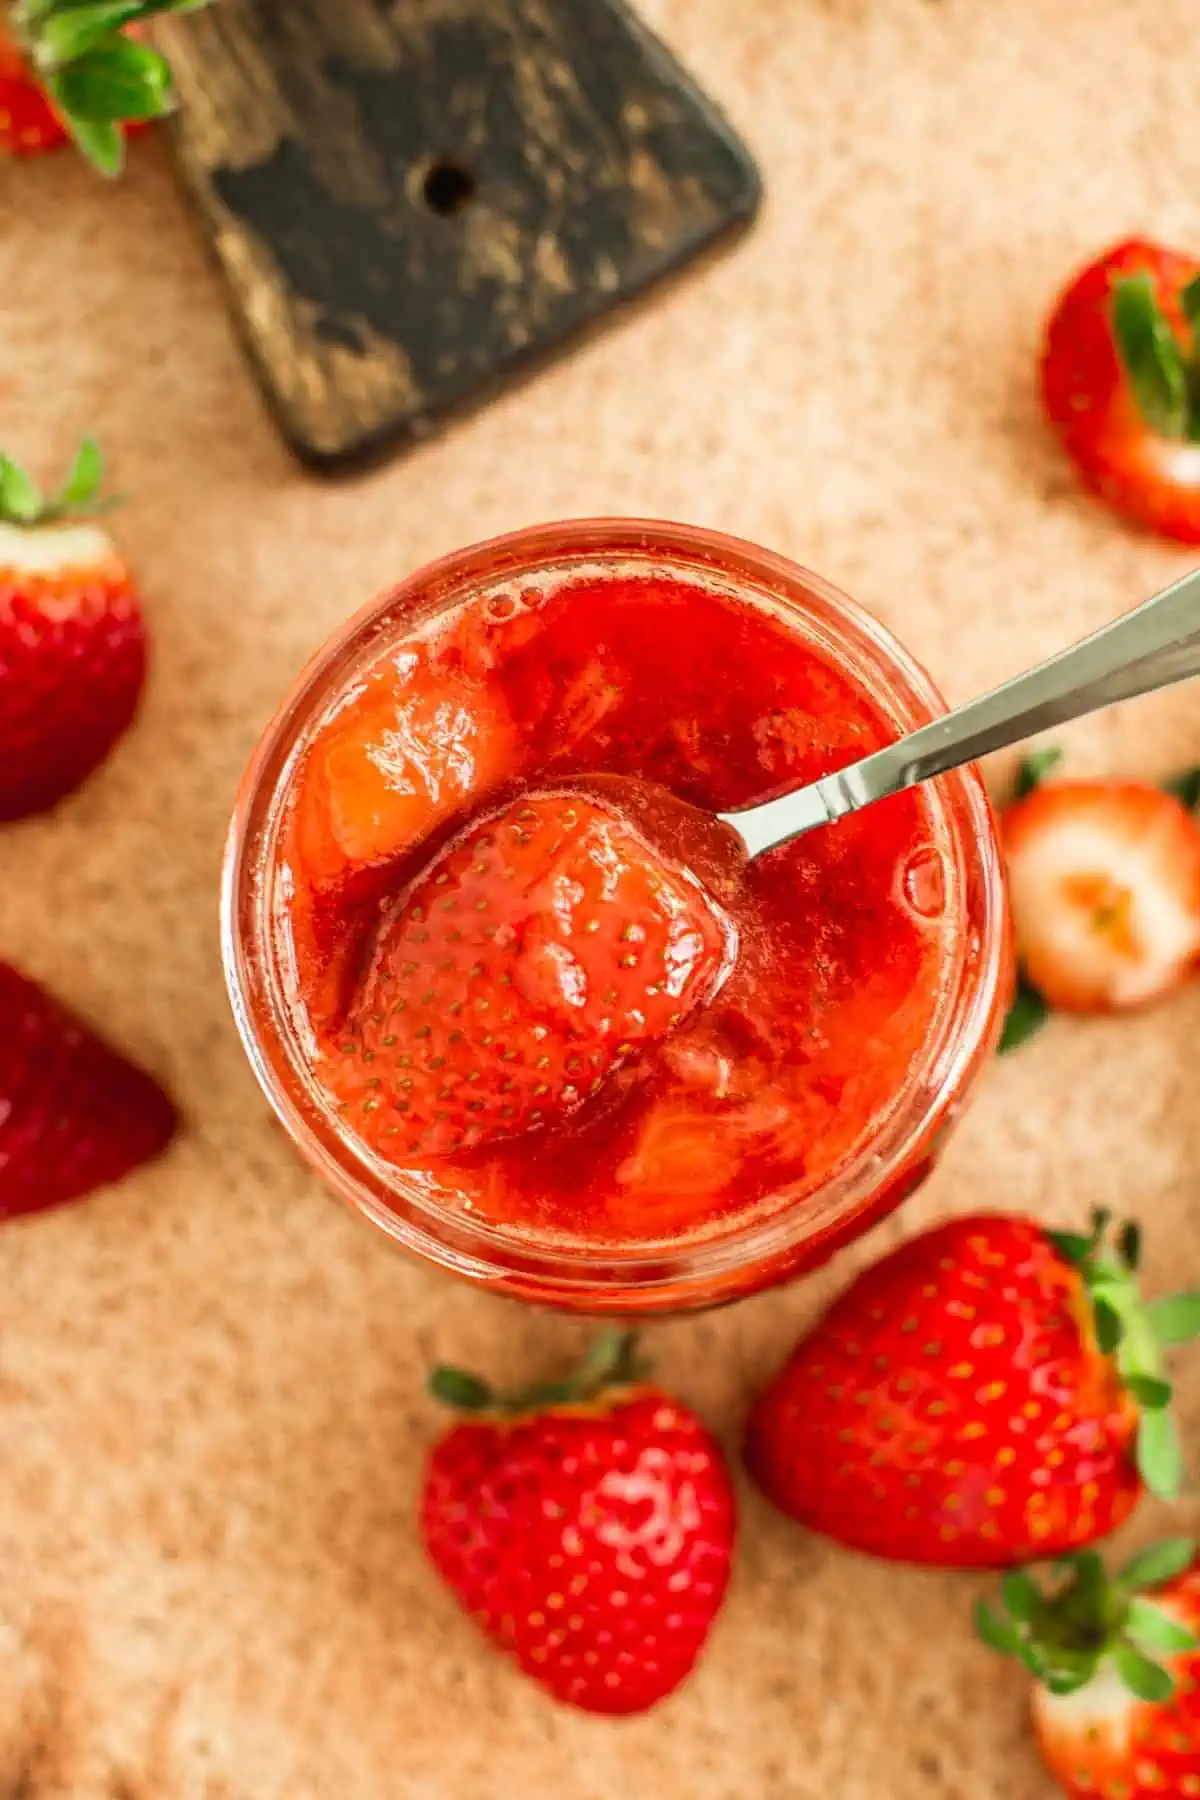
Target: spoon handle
[[1152, 647]]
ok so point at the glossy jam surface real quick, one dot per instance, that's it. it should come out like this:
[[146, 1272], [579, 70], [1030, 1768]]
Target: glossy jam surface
[[842, 938]]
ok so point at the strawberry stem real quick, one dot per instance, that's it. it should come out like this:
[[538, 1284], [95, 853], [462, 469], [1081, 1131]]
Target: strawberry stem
[[1062, 1634], [1136, 1335], [612, 1361]]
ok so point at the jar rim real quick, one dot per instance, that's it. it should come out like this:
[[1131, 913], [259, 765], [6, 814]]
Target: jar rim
[[610, 1278]]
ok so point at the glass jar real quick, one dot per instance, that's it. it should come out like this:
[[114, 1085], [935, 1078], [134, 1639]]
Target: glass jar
[[770, 1244]]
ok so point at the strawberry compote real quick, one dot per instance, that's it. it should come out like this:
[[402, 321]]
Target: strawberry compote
[[827, 1016]]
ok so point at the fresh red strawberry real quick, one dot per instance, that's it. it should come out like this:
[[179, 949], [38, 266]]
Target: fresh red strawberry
[[72, 640], [534, 955], [988, 1393], [586, 1525], [83, 72], [1116, 1709], [1104, 879], [74, 1114], [1121, 381]]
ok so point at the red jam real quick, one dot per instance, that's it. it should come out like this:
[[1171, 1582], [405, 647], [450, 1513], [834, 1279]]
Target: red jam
[[841, 949]]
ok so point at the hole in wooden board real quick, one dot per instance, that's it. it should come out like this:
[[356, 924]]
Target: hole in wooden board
[[447, 186]]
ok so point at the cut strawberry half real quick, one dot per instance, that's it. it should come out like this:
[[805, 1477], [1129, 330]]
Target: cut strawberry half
[[1104, 878], [1121, 383]]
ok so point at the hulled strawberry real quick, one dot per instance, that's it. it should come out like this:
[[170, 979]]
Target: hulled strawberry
[[587, 1526], [535, 955], [1121, 383], [1104, 880], [989, 1393], [72, 639], [80, 71], [1116, 1708], [74, 1114]]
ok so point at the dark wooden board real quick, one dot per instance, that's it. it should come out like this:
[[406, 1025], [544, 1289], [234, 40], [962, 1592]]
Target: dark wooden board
[[412, 199]]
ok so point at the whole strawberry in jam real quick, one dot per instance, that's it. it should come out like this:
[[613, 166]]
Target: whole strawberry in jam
[[586, 1525], [81, 72], [72, 638], [989, 1393], [74, 1113], [1121, 382], [533, 957], [1116, 1662]]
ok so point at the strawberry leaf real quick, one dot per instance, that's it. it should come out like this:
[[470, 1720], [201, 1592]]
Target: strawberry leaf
[[1159, 1458], [1149, 1391], [67, 35], [1026, 1016], [1090, 1582], [1145, 1679], [118, 80], [1150, 356], [611, 1361], [83, 479], [1109, 1327], [1087, 1564], [20, 496], [102, 142], [1022, 1597], [1062, 1681], [996, 1632], [1160, 1563], [1176, 1319], [457, 1388], [1071, 1246], [1185, 787], [1156, 1630], [1189, 301], [1033, 769], [1129, 1244]]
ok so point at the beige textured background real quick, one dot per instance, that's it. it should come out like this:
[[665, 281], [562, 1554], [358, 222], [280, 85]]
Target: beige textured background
[[211, 1419]]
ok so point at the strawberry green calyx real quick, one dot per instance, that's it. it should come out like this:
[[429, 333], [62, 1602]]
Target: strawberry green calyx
[[1163, 372], [97, 77], [1136, 1334], [22, 501], [1086, 1618], [612, 1361], [1186, 787]]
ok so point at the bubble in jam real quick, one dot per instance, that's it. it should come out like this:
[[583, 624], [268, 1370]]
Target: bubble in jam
[[923, 882]]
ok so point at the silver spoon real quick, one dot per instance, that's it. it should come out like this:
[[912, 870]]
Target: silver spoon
[[1152, 647]]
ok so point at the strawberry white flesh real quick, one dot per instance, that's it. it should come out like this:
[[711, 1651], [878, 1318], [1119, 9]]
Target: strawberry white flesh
[[1104, 1743], [58, 550], [1104, 879], [1115, 1658], [1088, 1731]]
